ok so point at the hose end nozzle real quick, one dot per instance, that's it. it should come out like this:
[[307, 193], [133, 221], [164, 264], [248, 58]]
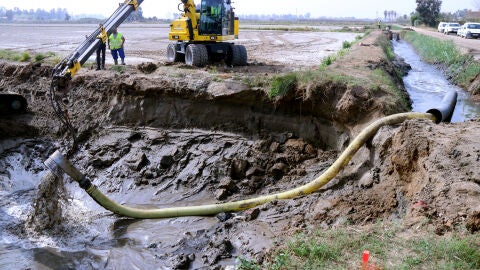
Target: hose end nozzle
[[58, 164], [52, 163]]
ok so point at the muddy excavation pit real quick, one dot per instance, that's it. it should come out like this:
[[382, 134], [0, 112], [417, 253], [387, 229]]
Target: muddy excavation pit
[[162, 136]]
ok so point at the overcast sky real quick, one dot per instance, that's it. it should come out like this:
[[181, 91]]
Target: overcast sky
[[317, 8]]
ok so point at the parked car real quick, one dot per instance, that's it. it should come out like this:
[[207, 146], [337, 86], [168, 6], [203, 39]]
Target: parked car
[[469, 30], [451, 28], [441, 27]]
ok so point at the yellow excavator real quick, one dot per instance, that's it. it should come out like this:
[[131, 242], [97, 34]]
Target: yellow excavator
[[201, 35], [13, 103], [64, 71], [70, 65]]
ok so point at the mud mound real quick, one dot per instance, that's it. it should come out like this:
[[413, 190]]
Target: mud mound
[[24, 73], [175, 98], [192, 161], [416, 172], [147, 68]]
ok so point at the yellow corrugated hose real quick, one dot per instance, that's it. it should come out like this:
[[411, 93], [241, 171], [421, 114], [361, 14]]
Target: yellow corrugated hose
[[206, 210]]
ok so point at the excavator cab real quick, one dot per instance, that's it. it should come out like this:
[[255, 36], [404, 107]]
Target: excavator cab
[[216, 18]]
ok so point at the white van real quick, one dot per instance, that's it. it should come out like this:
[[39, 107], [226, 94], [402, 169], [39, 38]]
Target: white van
[[441, 27], [451, 28], [469, 30]]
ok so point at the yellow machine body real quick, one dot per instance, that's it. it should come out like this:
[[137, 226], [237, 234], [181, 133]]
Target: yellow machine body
[[179, 32], [203, 35], [189, 26]]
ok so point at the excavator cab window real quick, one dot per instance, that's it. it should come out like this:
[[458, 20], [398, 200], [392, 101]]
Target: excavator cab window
[[211, 17]]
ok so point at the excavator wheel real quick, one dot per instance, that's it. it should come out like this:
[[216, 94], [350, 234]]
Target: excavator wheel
[[173, 55], [236, 56], [196, 55], [11, 103]]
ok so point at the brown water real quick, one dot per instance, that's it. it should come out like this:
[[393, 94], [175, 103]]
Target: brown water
[[43, 228]]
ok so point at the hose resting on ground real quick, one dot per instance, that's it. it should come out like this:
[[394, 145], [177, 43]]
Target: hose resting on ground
[[212, 209]]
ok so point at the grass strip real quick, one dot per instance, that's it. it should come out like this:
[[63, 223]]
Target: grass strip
[[389, 249], [461, 68], [25, 56]]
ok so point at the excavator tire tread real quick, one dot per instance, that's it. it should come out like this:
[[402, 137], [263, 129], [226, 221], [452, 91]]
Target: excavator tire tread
[[237, 56], [196, 55], [243, 57]]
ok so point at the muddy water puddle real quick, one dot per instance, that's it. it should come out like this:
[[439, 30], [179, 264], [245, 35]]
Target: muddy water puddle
[[426, 86], [126, 165]]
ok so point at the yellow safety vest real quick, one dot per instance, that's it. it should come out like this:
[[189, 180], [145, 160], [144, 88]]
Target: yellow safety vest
[[215, 11], [115, 42]]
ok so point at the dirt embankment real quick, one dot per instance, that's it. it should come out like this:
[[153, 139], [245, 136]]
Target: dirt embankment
[[212, 98], [180, 136]]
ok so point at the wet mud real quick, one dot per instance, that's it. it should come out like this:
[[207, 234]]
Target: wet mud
[[169, 136], [148, 42]]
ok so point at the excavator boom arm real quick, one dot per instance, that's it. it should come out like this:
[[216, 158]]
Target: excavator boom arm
[[190, 11], [69, 66]]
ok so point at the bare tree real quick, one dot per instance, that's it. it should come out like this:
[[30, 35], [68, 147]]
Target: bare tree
[[392, 15]]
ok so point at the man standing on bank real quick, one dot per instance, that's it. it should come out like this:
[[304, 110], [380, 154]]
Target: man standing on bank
[[101, 48], [115, 44]]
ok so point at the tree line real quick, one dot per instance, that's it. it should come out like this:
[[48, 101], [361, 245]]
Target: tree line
[[428, 13], [59, 14]]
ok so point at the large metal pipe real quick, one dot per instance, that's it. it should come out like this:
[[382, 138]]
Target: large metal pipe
[[444, 111]]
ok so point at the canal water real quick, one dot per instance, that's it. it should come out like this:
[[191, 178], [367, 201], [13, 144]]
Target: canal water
[[426, 86]]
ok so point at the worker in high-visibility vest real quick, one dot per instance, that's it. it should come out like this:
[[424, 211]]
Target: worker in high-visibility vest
[[115, 44], [215, 11]]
